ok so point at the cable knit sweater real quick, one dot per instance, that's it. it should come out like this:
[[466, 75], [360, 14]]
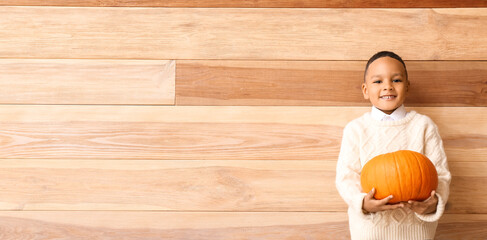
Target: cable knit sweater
[[365, 138]]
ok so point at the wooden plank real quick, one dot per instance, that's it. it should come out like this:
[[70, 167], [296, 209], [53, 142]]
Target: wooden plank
[[231, 185], [202, 225], [174, 226], [323, 83], [462, 226], [240, 33], [252, 4], [218, 133], [65, 81], [195, 185], [467, 188]]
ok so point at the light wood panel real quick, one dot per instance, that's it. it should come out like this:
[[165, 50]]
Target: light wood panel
[[169, 185], [468, 187], [228, 33], [174, 226], [327, 83], [231, 185], [199, 133], [462, 226], [65, 81], [252, 4], [200, 225]]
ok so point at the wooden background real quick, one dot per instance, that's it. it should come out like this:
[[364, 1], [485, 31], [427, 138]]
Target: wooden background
[[220, 119]]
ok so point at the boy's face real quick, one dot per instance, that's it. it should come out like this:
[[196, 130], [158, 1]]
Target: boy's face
[[386, 84]]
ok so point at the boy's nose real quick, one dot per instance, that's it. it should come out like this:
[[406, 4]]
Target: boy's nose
[[387, 86]]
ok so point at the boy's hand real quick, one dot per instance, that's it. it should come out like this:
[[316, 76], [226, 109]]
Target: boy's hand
[[424, 207], [370, 204]]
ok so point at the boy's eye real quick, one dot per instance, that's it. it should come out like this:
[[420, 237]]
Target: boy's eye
[[397, 80], [377, 81]]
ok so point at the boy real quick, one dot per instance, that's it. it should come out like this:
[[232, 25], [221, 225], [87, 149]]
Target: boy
[[388, 128]]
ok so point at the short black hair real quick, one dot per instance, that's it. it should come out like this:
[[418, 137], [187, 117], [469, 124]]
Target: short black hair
[[385, 54]]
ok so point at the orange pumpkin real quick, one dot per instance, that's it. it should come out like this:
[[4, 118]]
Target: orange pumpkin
[[407, 175]]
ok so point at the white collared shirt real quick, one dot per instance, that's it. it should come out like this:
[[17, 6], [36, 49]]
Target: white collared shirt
[[398, 114]]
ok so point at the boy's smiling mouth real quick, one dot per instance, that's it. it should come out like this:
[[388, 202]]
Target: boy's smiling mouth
[[388, 97]]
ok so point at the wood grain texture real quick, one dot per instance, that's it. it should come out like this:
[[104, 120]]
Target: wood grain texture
[[462, 226], [323, 83], [468, 183], [210, 185], [217, 133], [174, 226], [231, 185], [201, 225], [252, 4], [65, 81], [240, 33]]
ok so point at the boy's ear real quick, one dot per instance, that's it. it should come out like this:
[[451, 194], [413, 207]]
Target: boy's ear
[[365, 91]]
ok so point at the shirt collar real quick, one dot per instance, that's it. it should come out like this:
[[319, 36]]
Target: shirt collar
[[398, 114]]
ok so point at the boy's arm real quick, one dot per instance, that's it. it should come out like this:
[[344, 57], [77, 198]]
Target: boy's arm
[[433, 149], [348, 171]]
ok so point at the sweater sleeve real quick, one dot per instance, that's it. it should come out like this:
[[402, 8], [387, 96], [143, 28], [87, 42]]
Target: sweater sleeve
[[348, 171], [433, 149]]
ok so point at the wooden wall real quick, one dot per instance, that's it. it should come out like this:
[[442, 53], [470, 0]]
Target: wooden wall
[[215, 119]]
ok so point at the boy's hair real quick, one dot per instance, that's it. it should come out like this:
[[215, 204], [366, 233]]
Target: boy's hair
[[385, 54]]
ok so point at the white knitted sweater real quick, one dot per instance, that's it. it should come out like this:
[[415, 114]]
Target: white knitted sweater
[[365, 138]]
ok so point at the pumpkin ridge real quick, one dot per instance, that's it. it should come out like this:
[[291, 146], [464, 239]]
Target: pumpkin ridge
[[411, 177], [423, 177], [384, 167], [399, 176]]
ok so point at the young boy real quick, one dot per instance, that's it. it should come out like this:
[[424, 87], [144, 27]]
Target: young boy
[[388, 128]]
